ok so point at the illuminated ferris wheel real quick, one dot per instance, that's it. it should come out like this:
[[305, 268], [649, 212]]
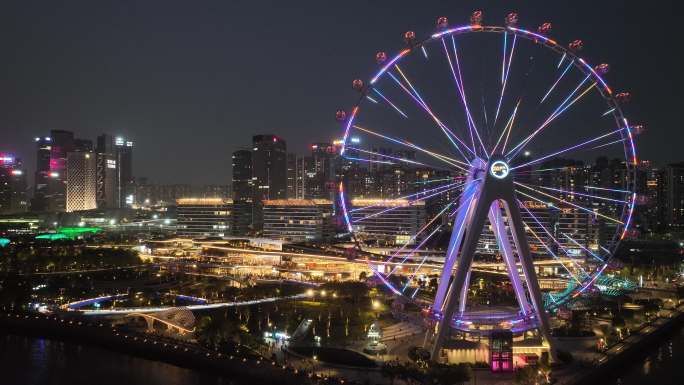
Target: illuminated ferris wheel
[[509, 143]]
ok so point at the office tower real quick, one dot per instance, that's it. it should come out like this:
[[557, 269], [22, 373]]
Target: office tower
[[81, 181], [672, 199], [243, 192], [115, 180], [204, 217], [12, 185], [124, 153], [269, 167], [50, 178], [269, 173], [291, 176], [243, 186], [107, 173], [320, 182], [298, 220]]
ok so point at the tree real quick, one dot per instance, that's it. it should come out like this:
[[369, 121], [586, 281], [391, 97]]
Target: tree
[[450, 374], [532, 375], [419, 355], [391, 370]]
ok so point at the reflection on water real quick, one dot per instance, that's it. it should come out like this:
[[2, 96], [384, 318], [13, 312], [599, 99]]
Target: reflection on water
[[29, 361], [662, 366]]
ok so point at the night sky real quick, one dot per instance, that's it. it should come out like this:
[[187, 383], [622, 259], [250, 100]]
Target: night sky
[[191, 81]]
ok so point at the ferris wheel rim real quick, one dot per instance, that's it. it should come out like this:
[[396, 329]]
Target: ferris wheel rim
[[580, 64]]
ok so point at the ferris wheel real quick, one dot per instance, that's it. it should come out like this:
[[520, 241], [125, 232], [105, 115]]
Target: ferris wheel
[[499, 133]]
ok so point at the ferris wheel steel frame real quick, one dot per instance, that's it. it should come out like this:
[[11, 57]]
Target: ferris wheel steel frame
[[489, 190]]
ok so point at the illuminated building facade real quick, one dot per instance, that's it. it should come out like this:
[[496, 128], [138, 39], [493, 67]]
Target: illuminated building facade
[[374, 222], [50, 179], [297, 220], [126, 183], [12, 185], [107, 173], [81, 181], [203, 217]]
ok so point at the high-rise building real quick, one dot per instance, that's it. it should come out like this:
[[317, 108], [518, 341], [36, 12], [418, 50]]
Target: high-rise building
[[269, 173], [243, 186], [320, 182], [204, 217], [387, 221], [269, 167], [107, 173], [115, 180], [124, 153], [297, 220], [81, 181], [291, 175], [50, 179], [243, 192], [673, 196], [12, 185]]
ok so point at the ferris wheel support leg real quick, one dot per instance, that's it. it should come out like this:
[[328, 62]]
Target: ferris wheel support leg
[[464, 294], [462, 268], [504, 243], [462, 218], [520, 239]]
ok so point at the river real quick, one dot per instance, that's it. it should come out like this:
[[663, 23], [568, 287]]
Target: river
[[33, 361], [662, 365], [39, 361]]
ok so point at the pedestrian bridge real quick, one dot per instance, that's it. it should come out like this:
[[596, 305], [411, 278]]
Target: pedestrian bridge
[[179, 320]]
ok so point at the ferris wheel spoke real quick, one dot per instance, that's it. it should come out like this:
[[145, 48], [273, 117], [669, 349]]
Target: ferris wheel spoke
[[417, 234], [460, 92], [553, 86], [458, 79], [608, 112], [505, 78], [375, 89], [580, 145], [565, 104], [396, 158], [507, 130], [349, 157], [571, 239], [464, 97], [548, 234], [407, 204], [451, 161], [563, 201], [548, 249], [589, 187], [608, 144], [415, 95], [415, 272], [412, 195], [566, 192]]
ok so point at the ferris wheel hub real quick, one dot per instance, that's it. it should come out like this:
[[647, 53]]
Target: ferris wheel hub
[[499, 169]]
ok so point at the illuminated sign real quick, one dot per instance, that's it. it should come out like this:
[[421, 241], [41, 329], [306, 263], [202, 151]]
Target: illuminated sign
[[6, 159], [17, 172], [499, 169], [111, 163]]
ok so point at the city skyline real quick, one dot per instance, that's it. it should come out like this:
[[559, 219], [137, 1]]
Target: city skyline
[[211, 102], [360, 192]]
